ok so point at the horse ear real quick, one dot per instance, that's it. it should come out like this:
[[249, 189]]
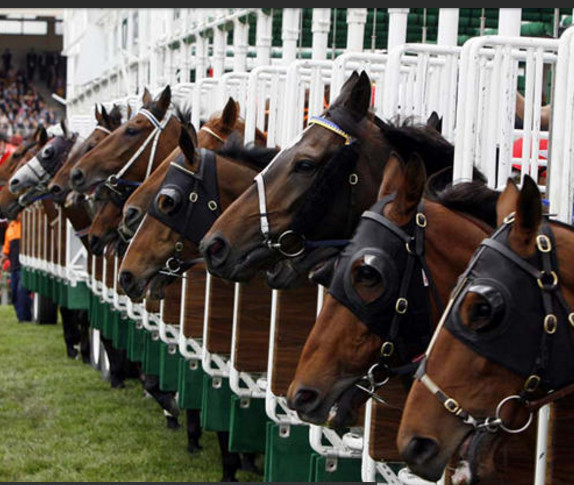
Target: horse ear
[[191, 132], [507, 201], [434, 121], [163, 101], [147, 98], [412, 188], [42, 136], [230, 113], [359, 99], [186, 144], [99, 118], [392, 175], [105, 118], [65, 130], [528, 216]]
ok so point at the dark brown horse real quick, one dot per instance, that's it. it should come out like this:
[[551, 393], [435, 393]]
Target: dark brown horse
[[315, 189], [504, 348], [212, 136]]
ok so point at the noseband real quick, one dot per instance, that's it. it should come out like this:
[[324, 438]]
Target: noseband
[[115, 180], [539, 349], [289, 243], [195, 196]]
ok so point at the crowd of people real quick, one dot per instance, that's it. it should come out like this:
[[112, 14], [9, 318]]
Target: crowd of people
[[22, 108]]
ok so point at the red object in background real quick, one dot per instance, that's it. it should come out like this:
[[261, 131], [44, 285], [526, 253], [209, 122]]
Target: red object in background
[[542, 153], [7, 152], [6, 265]]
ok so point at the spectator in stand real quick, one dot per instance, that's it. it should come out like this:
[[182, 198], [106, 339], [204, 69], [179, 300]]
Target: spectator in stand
[[21, 297], [31, 62], [7, 61], [6, 148]]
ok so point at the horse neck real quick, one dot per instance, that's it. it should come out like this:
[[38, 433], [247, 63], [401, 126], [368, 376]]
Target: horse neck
[[233, 179], [451, 239], [79, 217], [50, 209]]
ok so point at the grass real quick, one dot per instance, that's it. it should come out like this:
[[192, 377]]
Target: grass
[[59, 421]]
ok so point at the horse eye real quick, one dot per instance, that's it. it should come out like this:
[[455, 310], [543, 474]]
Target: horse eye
[[367, 275], [48, 152], [483, 311], [305, 166], [367, 278], [131, 131], [168, 203]]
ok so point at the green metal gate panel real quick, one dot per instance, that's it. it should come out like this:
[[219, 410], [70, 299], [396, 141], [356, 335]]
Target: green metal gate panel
[[288, 454], [168, 367], [216, 404], [247, 426], [190, 387]]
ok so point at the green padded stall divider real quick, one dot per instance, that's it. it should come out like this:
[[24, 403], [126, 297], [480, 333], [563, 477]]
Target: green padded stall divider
[[168, 367], [150, 362], [247, 425], [78, 297], [120, 331], [190, 386], [288, 453], [44, 285], [107, 320], [333, 469], [216, 404], [25, 277], [54, 289], [135, 345], [62, 286], [95, 313]]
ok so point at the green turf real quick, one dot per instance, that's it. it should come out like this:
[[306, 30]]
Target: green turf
[[59, 421]]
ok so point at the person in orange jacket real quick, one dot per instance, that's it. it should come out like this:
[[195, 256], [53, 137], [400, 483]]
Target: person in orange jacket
[[21, 297]]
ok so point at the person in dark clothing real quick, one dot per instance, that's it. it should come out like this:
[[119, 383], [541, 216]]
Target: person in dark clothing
[[21, 298], [31, 62], [7, 60]]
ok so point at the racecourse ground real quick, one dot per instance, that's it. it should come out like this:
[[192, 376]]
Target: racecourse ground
[[59, 421]]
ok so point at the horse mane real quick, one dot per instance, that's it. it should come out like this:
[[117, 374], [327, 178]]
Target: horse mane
[[407, 137], [255, 155], [474, 198]]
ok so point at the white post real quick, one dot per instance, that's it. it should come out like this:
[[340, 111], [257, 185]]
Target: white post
[[356, 20], [200, 57], [290, 33], [448, 26], [509, 22], [240, 42], [219, 46], [320, 29], [264, 37], [398, 18]]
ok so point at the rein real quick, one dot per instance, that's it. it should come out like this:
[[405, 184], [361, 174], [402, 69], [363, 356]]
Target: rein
[[289, 243], [116, 179], [547, 282]]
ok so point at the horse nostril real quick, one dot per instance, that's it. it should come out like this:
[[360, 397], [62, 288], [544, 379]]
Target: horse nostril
[[77, 176], [55, 189], [96, 245], [126, 280], [132, 217], [420, 451], [305, 400], [14, 184], [216, 251]]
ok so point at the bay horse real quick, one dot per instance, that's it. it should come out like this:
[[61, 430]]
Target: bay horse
[[130, 152], [503, 348], [314, 190], [167, 226]]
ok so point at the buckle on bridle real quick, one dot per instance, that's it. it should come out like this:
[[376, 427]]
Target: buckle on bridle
[[532, 383], [544, 285], [387, 349], [112, 181], [501, 423], [401, 306], [171, 261], [509, 218], [452, 406], [543, 243], [421, 219], [550, 323]]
